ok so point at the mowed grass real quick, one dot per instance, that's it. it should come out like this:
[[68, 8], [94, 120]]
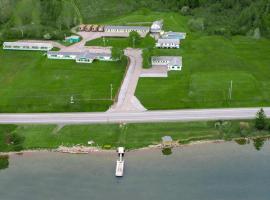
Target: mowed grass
[[210, 63], [122, 42], [130, 135], [30, 82]]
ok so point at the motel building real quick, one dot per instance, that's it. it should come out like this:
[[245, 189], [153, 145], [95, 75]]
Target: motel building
[[168, 43], [34, 46], [79, 57], [170, 62], [127, 29]]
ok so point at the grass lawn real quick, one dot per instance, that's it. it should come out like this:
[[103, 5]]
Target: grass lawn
[[30, 82], [122, 42], [130, 135], [210, 63]]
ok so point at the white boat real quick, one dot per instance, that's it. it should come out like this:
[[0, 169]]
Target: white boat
[[119, 171]]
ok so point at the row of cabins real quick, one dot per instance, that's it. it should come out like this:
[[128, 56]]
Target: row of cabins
[[79, 57], [156, 27], [91, 28]]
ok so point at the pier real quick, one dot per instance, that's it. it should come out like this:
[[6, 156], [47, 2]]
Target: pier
[[119, 171]]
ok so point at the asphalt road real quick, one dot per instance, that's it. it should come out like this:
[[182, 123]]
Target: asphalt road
[[131, 117]]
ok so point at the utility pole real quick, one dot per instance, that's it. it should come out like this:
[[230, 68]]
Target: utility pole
[[111, 92], [104, 44], [230, 90], [72, 100]]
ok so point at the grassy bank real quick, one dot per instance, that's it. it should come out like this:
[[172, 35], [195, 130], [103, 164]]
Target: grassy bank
[[32, 83], [131, 136]]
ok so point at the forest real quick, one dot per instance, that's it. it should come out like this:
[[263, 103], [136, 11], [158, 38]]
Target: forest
[[52, 19]]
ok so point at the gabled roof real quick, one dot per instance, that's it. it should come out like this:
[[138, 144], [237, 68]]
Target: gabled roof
[[174, 41], [85, 54], [167, 139], [146, 28], [28, 44], [171, 60]]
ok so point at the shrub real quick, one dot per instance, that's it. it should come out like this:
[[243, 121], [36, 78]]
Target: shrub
[[241, 141], [260, 121], [107, 146], [258, 143], [4, 163], [196, 24], [167, 151], [185, 10]]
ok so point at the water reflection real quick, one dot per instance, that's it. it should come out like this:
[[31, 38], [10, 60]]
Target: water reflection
[[4, 162]]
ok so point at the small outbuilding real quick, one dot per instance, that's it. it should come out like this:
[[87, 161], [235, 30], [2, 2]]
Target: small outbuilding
[[156, 26], [82, 27], [88, 28], [168, 43], [167, 141]]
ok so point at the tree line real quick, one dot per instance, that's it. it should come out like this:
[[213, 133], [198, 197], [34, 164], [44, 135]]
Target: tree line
[[52, 19]]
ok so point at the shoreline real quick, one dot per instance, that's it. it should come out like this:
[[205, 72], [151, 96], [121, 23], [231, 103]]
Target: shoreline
[[96, 150]]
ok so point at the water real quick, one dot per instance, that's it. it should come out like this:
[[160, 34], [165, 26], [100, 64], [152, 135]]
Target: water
[[205, 172]]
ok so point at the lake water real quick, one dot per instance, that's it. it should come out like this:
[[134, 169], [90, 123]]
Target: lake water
[[204, 171]]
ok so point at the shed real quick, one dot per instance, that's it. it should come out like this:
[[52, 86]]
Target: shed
[[82, 27], [167, 141], [157, 26], [88, 27], [168, 43]]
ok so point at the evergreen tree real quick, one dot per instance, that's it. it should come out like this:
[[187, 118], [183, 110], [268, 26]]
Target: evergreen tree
[[260, 121]]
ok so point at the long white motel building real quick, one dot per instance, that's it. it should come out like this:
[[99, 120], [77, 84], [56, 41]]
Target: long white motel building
[[34, 46], [168, 43], [79, 57], [170, 62], [127, 29]]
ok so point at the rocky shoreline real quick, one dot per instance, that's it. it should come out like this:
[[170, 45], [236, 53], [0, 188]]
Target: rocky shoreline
[[80, 149]]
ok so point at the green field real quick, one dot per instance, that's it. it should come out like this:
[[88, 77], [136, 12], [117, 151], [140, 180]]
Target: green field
[[131, 136], [210, 63], [122, 42], [32, 83]]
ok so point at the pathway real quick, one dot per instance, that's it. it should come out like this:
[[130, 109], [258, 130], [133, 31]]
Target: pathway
[[126, 101]]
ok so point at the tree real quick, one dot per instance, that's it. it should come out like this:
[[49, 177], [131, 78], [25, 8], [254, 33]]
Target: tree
[[134, 39], [117, 53], [260, 121]]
